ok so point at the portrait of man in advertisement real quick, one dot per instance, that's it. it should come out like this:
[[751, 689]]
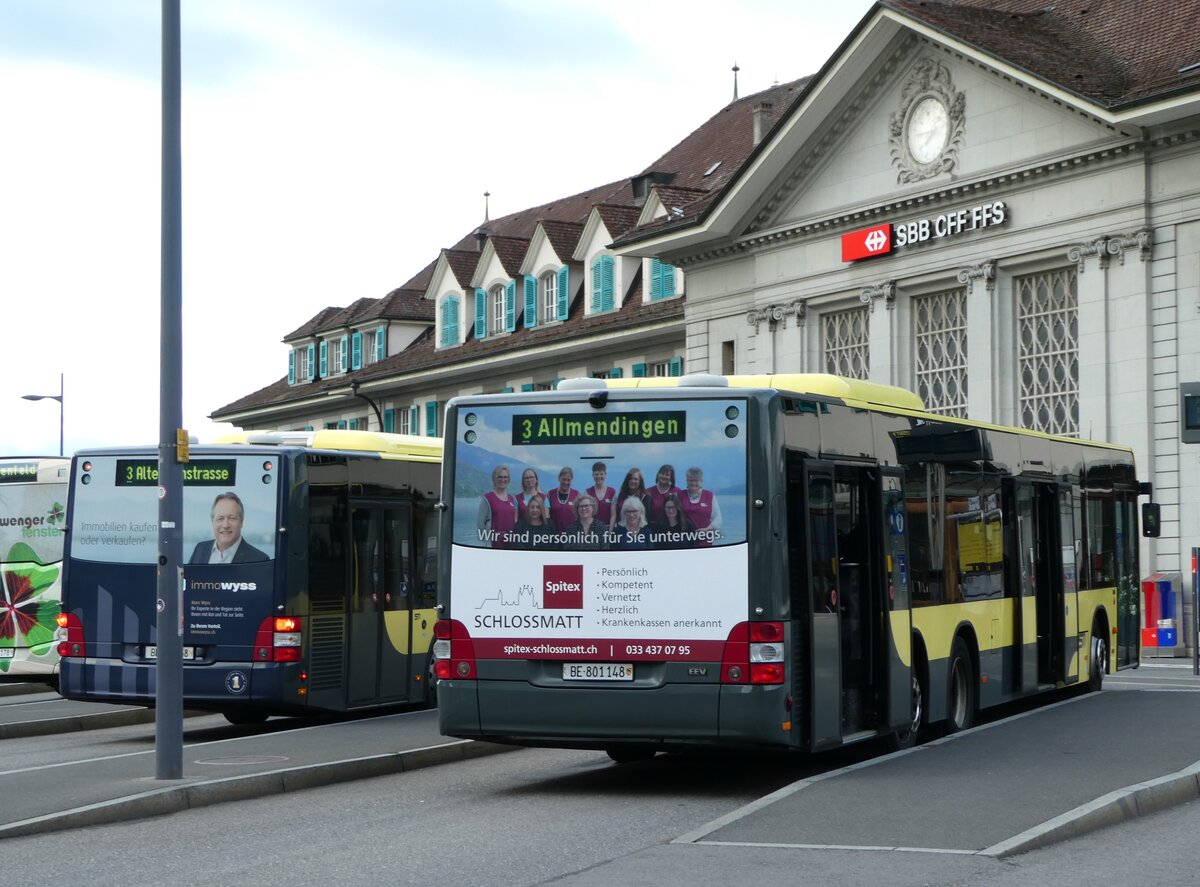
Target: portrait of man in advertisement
[[227, 545]]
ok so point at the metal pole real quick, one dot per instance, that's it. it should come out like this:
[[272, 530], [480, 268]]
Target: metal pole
[[61, 407], [168, 719]]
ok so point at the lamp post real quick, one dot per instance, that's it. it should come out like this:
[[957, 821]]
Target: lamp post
[[378, 415], [59, 398]]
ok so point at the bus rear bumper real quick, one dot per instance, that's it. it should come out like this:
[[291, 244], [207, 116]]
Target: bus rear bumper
[[217, 686], [675, 716]]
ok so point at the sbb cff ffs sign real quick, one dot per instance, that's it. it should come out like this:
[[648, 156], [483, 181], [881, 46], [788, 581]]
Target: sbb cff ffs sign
[[879, 240]]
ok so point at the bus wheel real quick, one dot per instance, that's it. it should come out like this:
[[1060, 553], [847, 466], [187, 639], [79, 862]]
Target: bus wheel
[[906, 737], [241, 717], [960, 698], [1099, 663], [629, 755]]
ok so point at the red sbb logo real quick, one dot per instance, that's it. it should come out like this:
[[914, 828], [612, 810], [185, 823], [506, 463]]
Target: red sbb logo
[[562, 587], [867, 243]]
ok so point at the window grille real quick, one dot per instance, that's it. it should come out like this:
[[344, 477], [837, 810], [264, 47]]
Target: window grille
[[845, 343], [940, 351], [1048, 351]]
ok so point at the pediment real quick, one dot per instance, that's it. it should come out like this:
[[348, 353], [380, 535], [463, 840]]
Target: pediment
[[925, 119]]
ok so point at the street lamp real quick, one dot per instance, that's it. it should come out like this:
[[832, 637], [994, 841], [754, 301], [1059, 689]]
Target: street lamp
[[354, 390], [59, 398]]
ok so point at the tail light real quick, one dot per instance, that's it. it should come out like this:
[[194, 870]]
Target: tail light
[[279, 639], [70, 635], [453, 651], [754, 654]]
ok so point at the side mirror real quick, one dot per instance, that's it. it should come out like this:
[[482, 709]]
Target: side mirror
[[1150, 519]]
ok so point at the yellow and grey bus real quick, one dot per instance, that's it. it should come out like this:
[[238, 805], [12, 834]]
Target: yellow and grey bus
[[33, 497], [309, 574], [837, 565]]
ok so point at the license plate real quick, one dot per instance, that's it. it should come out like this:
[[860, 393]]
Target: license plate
[[597, 671], [7, 653], [188, 652]]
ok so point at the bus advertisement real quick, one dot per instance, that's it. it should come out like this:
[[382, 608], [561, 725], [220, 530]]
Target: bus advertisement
[[796, 561], [33, 496], [554, 590], [307, 580]]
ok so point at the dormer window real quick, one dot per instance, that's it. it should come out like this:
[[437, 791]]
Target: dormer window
[[662, 280], [548, 289], [496, 304], [300, 364]]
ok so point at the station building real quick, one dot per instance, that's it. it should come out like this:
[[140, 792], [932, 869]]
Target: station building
[[994, 203]]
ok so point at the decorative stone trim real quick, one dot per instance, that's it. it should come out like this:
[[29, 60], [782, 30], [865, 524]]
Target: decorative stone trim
[[1081, 252], [929, 78], [777, 315], [1141, 238], [985, 271], [885, 291]]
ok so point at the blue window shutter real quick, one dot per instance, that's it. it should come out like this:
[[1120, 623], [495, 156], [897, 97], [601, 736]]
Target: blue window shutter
[[353, 425], [311, 362], [414, 420], [324, 367], [480, 314], [344, 345], [389, 421], [356, 353], [615, 373], [381, 343], [510, 306], [655, 280], [341, 423], [528, 386], [668, 281], [507, 390], [530, 312], [564, 291], [675, 368], [639, 371], [606, 288], [597, 284], [431, 418], [292, 367], [308, 428]]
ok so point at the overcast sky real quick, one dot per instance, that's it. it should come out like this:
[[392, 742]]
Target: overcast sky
[[330, 149]]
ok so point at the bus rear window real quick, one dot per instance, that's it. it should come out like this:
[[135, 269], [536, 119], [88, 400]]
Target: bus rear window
[[567, 477]]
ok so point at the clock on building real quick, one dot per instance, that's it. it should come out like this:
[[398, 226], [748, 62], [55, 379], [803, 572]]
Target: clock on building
[[927, 129]]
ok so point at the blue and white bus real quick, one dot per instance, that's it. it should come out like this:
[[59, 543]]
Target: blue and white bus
[[309, 574]]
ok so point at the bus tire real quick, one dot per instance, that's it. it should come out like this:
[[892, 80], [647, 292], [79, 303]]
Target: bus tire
[[960, 688], [629, 755], [1098, 664], [907, 737], [242, 717]]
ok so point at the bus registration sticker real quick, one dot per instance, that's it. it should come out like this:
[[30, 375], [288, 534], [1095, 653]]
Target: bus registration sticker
[[8, 653], [597, 671]]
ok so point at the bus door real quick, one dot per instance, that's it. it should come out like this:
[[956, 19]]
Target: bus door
[[896, 641], [1037, 578], [379, 602], [843, 524]]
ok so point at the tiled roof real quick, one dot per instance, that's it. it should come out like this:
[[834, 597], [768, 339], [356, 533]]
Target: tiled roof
[[707, 160], [406, 304], [566, 209], [462, 264], [511, 252], [1111, 52], [618, 219], [319, 321], [563, 236]]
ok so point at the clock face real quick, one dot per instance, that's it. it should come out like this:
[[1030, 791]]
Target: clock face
[[928, 130]]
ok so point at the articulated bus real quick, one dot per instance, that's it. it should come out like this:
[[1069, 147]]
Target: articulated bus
[[848, 567], [33, 496], [309, 575]]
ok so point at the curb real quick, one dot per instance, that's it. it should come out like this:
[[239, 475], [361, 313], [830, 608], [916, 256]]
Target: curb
[[78, 723], [176, 798], [1117, 806]]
